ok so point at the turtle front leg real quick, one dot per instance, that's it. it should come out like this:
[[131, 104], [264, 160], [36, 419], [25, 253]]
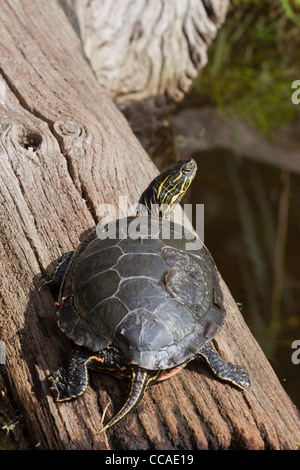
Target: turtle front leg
[[57, 276], [71, 382], [224, 370]]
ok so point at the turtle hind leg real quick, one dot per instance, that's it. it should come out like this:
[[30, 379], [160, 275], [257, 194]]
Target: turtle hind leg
[[224, 370], [71, 382], [55, 279], [139, 381]]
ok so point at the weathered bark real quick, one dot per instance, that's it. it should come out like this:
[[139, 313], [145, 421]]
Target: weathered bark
[[142, 49], [65, 150], [146, 54]]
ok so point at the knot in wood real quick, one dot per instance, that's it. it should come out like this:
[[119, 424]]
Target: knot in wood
[[68, 128], [31, 139]]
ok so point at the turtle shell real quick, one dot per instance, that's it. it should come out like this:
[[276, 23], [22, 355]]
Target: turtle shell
[[150, 293]]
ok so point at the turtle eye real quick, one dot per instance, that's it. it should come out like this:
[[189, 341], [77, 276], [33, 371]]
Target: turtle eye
[[167, 189], [186, 171]]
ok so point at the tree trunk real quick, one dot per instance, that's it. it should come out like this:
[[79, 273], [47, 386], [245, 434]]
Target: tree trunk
[[65, 150], [143, 49], [146, 54]]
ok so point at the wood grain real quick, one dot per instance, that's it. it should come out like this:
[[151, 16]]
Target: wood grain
[[146, 49]]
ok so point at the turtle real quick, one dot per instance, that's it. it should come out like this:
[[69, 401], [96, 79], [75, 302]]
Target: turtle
[[138, 301]]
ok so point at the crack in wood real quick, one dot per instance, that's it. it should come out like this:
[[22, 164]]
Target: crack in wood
[[59, 139]]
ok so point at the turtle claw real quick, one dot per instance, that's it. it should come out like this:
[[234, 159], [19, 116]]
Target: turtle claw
[[62, 386], [224, 370], [237, 375], [59, 383], [72, 382]]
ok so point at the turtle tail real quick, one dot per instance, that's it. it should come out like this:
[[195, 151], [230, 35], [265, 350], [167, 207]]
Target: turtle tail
[[139, 381]]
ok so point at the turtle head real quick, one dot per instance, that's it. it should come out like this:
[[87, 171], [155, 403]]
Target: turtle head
[[167, 189]]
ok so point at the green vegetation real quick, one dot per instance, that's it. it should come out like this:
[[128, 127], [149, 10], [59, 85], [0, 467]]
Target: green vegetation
[[11, 425], [252, 217], [253, 62]]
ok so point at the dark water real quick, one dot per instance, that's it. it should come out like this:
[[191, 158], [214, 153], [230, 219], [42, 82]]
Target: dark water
[[252, 228]]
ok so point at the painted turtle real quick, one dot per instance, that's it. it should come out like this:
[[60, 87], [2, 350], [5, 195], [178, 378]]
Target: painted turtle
[[141, 306]]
